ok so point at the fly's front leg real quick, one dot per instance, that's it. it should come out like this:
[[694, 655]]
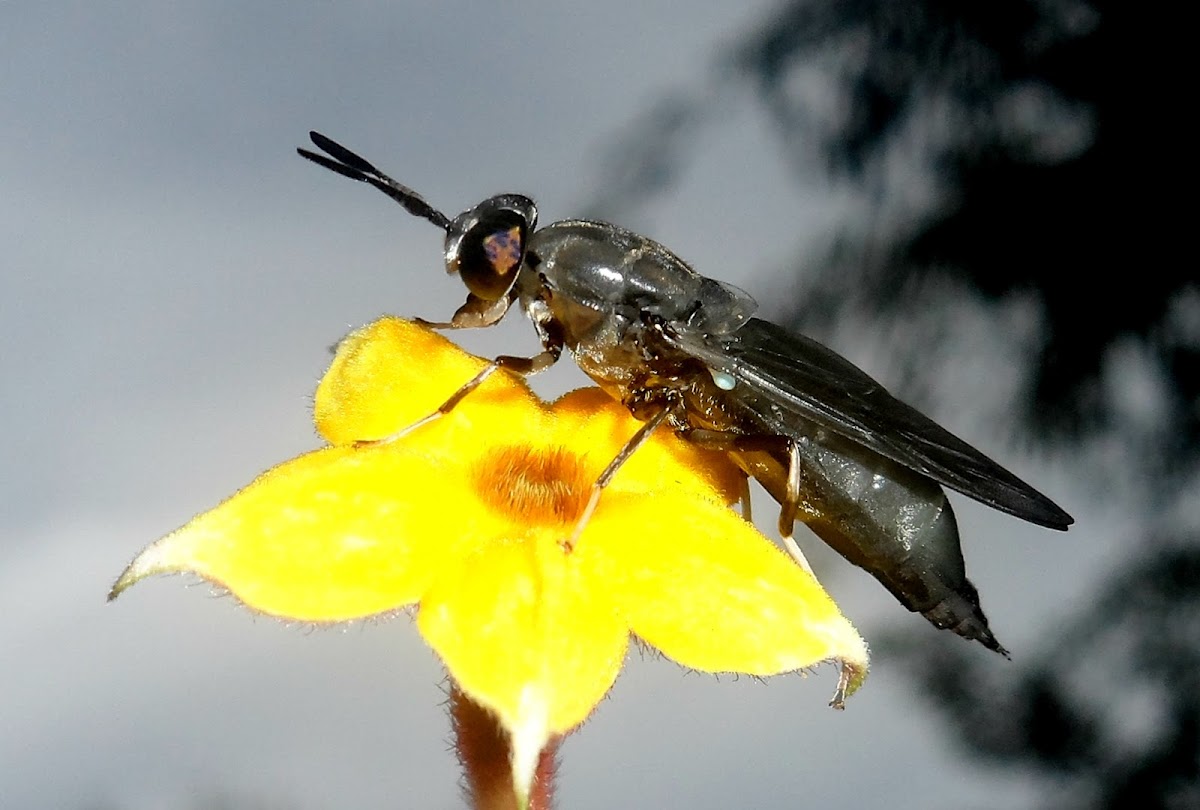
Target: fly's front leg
[[789, 507], [631, 446], [476, 313], [524, 366]]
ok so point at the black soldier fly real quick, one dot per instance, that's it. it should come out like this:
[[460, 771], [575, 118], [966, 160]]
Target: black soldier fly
[[862, 469]]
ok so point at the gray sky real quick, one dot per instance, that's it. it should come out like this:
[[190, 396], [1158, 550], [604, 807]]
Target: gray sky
[[173, 276]]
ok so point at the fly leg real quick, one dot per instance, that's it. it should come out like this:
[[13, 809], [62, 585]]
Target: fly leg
[[744, 500], [524, 366], [445, 407], [476, 313], [790, 505], [637, 440]]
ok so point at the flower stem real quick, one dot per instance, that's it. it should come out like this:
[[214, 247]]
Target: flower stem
[[486, 756]]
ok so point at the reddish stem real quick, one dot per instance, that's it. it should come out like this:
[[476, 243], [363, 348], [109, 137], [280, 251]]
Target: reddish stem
[[486, 756]]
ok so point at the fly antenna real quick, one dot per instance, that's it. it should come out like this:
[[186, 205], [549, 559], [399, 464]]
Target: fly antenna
[[348, 164]]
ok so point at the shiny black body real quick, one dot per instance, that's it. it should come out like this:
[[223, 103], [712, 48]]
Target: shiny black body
[[862, 469]]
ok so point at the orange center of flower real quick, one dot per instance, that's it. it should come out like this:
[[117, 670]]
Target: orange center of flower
[[545, 487]]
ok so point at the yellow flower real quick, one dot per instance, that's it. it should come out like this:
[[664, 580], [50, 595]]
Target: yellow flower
[[468, 518]]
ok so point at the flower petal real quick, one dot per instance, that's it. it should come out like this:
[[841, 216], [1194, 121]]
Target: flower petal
[[391, 373], [590, 418], [700, 584], [336, 534], [526, 632]]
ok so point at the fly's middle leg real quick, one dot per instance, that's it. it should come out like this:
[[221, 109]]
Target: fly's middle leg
[[631, 446]]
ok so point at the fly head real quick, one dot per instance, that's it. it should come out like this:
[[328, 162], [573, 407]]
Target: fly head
[[485, 245]]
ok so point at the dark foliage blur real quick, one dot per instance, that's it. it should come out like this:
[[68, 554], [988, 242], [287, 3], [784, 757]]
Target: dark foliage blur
[[1049, 135], [1109, 709], [1053, 134]]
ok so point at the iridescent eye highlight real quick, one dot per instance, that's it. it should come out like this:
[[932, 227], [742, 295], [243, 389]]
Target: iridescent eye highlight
[[503, 250]]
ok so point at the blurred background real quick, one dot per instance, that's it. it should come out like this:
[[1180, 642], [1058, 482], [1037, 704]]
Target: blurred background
[[965, 199]]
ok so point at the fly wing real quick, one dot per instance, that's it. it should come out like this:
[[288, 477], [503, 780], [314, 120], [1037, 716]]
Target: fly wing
[[807, 383]]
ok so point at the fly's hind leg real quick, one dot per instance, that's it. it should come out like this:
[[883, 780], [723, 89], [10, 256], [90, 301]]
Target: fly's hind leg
[[789, 507]]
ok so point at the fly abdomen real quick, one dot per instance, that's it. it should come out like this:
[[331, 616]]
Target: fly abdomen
[[890, 521]]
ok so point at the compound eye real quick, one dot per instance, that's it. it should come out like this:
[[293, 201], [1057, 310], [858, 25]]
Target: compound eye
[[487, 245], [489, 257]]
